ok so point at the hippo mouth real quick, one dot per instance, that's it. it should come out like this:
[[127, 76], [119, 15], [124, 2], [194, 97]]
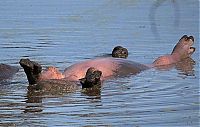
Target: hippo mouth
[[191, 42], [184, 47], [191, 50]]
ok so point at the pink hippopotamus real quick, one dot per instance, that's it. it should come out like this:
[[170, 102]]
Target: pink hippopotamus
[[109, 67]]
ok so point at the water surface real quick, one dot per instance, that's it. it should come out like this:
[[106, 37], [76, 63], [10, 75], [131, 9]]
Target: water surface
[[61, 33]]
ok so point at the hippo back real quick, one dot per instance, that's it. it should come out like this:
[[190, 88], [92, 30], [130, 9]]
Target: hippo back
[[127, 67], [109, 67], [7, 71]]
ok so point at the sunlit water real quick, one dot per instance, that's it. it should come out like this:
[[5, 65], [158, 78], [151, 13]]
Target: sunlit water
[[61, 33]]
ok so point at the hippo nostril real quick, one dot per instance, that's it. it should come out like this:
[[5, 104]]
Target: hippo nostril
[[191, 37], [184, 36]]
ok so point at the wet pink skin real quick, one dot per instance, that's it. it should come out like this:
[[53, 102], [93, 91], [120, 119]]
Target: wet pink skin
[[109, 66], [51, 73], [78, 71], [182, 50]]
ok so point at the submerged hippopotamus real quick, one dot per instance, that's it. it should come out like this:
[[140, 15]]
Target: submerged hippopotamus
[[106, 67], [7, 71]]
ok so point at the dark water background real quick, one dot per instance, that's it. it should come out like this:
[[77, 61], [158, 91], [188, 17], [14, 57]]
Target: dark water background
[[63, 32]]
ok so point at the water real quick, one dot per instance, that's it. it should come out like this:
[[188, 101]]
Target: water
[[61, 33]]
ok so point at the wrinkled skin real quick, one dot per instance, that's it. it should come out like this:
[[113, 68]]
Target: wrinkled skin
[[112, 67], [7, 71]]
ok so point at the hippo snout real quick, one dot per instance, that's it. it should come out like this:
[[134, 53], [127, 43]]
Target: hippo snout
[[92, 78]]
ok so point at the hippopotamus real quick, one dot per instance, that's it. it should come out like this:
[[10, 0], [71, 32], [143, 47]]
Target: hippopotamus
[[7, 71], [106, 67]]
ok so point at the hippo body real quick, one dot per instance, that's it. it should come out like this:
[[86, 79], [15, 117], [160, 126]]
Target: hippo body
[[120, 67], [7, 71], [109, 67]]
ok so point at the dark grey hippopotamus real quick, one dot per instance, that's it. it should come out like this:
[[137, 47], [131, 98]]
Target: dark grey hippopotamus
[[109, 67], [7, 71]]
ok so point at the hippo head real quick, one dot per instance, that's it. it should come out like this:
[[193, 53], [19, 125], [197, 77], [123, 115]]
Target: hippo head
[[120, 52], [32, 70], [92, 78], [184, 47]]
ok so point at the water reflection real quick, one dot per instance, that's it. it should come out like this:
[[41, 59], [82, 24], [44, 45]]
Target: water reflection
[[155, 22], [37, 92], [92, 93], [33, 102], [186, 67]]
